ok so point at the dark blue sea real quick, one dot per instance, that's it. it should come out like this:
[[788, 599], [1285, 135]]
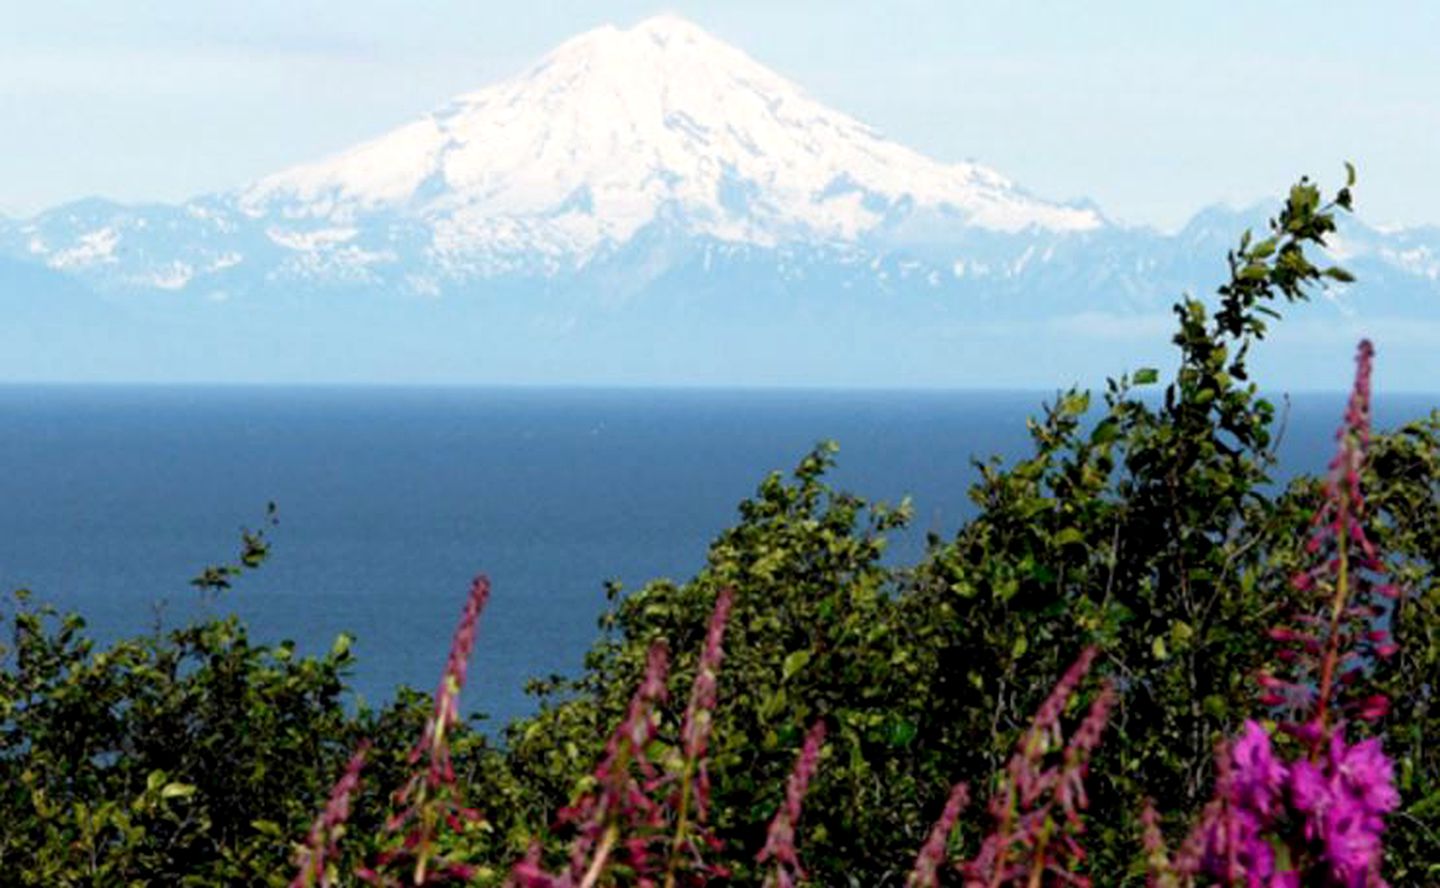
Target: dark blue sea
[[391, 499]]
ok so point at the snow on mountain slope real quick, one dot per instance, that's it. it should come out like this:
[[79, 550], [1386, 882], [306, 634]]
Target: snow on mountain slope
[[650, 206], [618, 129], [646, 165]]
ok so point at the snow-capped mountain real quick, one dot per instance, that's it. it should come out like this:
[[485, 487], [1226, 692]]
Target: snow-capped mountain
[[613, 133], [616, 128], [647, 185]]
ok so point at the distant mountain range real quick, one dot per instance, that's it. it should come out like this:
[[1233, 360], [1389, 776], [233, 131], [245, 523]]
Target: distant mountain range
[[652, 206]]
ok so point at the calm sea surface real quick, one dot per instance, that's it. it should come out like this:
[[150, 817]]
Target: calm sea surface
[[392, 499]]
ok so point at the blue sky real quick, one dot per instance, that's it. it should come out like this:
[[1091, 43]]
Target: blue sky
[[1151, 109]]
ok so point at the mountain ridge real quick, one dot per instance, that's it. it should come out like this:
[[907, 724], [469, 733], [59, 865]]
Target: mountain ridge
[[634, 175]]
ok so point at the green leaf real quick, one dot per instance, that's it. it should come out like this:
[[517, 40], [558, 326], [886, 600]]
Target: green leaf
[[901, 732], [1075, 403], [1069, 536], [772, 705], [1108, 430], [794, 662], [1181, 632], [1146, 376], [177, 790], [267, 828]]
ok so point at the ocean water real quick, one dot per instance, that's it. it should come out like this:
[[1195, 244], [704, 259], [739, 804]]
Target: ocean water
[[391, 499]]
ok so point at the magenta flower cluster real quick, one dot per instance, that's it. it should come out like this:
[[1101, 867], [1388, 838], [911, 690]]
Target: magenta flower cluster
[[1274, 822], [1344, 799]]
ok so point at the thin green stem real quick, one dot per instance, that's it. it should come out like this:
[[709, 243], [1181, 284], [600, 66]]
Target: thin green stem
[[682, 823], [602, 856], [1338, 602]]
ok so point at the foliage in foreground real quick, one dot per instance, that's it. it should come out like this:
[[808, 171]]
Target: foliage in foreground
[[1148, 532]]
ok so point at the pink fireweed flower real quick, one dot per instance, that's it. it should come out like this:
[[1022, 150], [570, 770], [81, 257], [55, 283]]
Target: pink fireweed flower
[[1160, 869], [1082, 745], [1250, 792], [1195, 852], [619, 823], [693, 781], [1325, 810], [1344, 799], [447, 695], [700, 713], [1223, 840], [1326, 655], [1258, 776], [431, 798], [1230, 841], [1031, 839], [322, 846], [1047, 718], [620, 826], [780, 838], [529, 873], [932, 856]]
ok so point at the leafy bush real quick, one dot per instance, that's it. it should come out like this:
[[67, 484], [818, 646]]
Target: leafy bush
[[191, 757], [1150, 530]]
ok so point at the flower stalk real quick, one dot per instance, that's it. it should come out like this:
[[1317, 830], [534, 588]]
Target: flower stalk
[[1318, 819], [779, 848], [431, 800], [315, 859]]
